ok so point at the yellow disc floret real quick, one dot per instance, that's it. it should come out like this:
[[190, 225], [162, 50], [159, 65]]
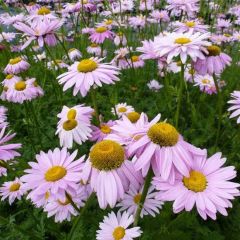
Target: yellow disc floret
[[213, 50], [70, 124], [87, 65], [101, 29], [14, 187], [197, 182], [182, 40], [118, 233], [14, 61], [137, 198], [190, 24], [72, 113], [163, 134], [135, 58], [55, 173], [43, 11], [107, 155], [122, 109], [20, 86], [133, 116], [105, 129]]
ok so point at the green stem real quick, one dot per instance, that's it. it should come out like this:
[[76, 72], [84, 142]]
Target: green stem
[[72, 203], [77, 220], [94, 102], [147, 183], [179, 98]]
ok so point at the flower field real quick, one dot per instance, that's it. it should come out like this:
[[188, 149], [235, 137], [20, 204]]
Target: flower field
[[119, 120]]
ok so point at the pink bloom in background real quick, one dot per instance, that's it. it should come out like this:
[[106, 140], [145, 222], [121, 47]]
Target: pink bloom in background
[[101, 132], [158, 16], [43, 32], [55, 172], [137, 22], [84, 74], [154, 85], [16, 65], [3, 171], [10, 80], [63, 209], [132, 198], [116, 227], [206, 83], [183, 45], [74, 125], [191, 25], [215, 61], [235, 108], [8, 151], [100, 34], [3, 117], [109, 172], [12, 190], [208, 186], [10, 20], [187, 6], [136, 62], [122, 109], [164, 149]]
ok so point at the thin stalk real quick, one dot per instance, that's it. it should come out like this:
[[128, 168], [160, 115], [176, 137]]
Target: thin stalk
[[94, 102], [147, 183]]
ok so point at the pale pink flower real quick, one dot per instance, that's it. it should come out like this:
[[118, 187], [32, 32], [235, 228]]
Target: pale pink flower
[[137, 22], [205, 83], [84, 74], [154, 85], [191, 25], [16, 65], [122, 109], [207, 186], [235, 108], [3, 117], [116, 227], [100, 34]]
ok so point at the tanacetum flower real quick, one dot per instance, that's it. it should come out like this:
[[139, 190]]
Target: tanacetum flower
[[154, 85], [136, 61], [162, 147], [116, 227], [183, 45], [63, 209], [12, 190], [208, 186], [84, 74], [235, 108], [43, 32], [215, 61], [16, 65], [109, 172], [122, 109], [206, 83], [8, 151], [191, 25], [132, 198], [55, 172], [74, 125], [3, 117], [74, 54], [100, 34]]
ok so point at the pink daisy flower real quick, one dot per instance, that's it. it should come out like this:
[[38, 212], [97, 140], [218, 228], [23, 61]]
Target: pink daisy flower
[[206, 83], [235, 108], [137, 22], [74, 54], [186, 6], [99, 133], [208, 186], [109, 172], [55, 172], [116, 227], [43, 32], [136, 61], [162, 147], [215, 61], [10, 80], [3, 171], [3, 117], [147, 50], [154, 85], [183, 45], [192, 25], [16, 65], [132, 198], [95, 49], [122, 109], [74, 125], [63, 209], [84, 74], [100, 34], [158, 16], [12, 190], [8, 151]]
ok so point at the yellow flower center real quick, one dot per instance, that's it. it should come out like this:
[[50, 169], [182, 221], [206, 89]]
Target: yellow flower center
[[55, 173], [108, 22], [107, 155], [182, 40], [191, 71], [135, 58], [163, 134], [118, 233], [101, 29], [93, 45], [71, 50], [43, 11], [122, 109], [20, 86], [120, 34], [87, 65], [205, 81], [197, 182], [47, 195], [85, 1], [72, 113], [10, 76], [16, 60], [66, 202], [133, 116], [227, 35], [179, 63], [213, 50], [5, 88], [190, 24], [137, 198], [14, 187], [70, 124], [105, 129]]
